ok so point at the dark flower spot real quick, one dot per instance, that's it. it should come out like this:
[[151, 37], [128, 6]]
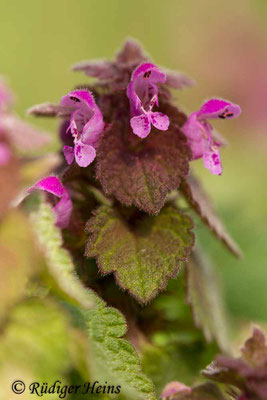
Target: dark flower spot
[[75, 99], [147, 74]]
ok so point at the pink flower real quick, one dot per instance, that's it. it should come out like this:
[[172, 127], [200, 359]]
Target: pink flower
[[63, 209], [86, 124], [199, 132], [142, 92], [174, 388]]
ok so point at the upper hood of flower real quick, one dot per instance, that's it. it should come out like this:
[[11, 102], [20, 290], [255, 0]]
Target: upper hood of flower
[[217, 108], [142, 90], [63, 209]]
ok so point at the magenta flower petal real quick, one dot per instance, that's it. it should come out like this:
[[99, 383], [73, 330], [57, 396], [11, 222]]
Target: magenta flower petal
[[78, 99], [143, 87], [142, 92], [193, 128], [198, 148], [93, 128], [84, 154], [69, 154], [141, 125], [160, 121], [212, 161], [5, 154], [86, 125], [149, 71], [63, 209], [217, 108]]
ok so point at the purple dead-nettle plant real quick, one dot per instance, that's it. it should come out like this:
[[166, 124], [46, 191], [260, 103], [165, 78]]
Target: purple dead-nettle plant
[[126, 154], [124, 137]]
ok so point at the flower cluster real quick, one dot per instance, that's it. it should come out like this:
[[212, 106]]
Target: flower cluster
[[86, 122], [88, 113]]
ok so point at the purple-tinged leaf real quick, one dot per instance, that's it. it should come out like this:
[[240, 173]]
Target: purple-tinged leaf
[[23, 135], [177, 80], [117, 73], [142, 257], [225, 370], [50, 110], [248, 373], [131, 53], [254, 351], [200, 202], [98, 69], [142, 172]]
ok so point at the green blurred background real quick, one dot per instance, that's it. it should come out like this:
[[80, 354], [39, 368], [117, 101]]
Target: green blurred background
[[221, 44]]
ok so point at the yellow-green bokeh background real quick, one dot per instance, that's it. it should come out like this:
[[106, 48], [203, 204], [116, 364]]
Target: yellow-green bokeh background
[[214, 42]]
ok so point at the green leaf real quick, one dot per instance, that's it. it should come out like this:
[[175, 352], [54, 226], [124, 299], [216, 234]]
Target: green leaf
[[143, 257], [204, 295], [201, 203], [59, 262], [112, 358], [142, 172]]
